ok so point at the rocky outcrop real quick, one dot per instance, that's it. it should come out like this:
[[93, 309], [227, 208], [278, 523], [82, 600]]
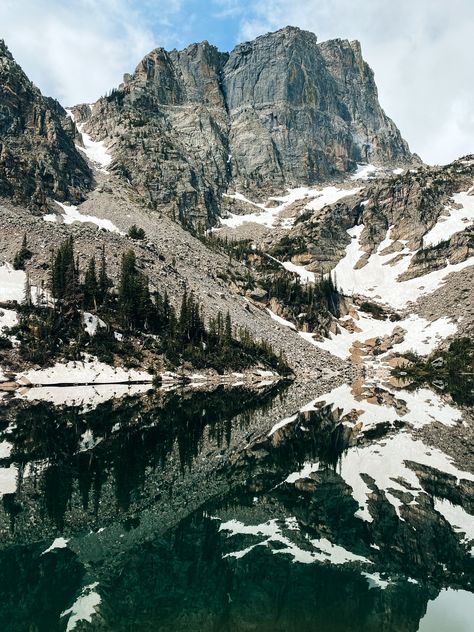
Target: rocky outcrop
[[403, 208], [302, 112], [38, 159], [279, 111]]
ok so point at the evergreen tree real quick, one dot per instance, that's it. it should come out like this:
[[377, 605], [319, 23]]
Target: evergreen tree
[[135, 305], [91, 285], [228, 330], [104, 282], [22, 255], [63, 281]]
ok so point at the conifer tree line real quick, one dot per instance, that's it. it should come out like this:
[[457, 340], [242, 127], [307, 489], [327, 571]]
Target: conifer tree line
[[309, 298], [22, 255], [306, 303], [134, 310]]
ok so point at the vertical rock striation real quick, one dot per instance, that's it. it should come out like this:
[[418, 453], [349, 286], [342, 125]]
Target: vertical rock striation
[[38, 159], [280, 111]]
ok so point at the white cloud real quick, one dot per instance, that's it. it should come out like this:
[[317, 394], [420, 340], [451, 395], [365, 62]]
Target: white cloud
[[420, 51], [75, 50]]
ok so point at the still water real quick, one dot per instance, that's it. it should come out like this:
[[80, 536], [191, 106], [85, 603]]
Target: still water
[[233, 510]]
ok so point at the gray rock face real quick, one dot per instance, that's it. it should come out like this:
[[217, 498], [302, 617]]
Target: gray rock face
[[302, 112], [38, 159], [408, 204], [280, 111]]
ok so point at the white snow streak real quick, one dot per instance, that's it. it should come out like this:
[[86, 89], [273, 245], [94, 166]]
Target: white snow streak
[[96, 151], [84, 608], [454, 221], [72, 214], [378, 280], [322, 550], [269, 216], [280, 320]]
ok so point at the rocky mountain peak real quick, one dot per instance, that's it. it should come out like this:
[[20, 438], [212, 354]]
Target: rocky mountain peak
[[38, 158], [4, 51], [280, 111]]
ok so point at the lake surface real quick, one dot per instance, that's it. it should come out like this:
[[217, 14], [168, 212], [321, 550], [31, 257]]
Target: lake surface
[[271, 509]]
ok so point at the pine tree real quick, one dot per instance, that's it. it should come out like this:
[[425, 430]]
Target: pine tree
[[91, 285], [183, 322], [63, 278], [22, 255], [228, 330], [104, 282], [27, 299]]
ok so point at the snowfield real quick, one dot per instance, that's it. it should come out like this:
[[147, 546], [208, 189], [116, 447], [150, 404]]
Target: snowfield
[[71, 214], [305, 275], [322, 550], [269, 216], [454, 221], [89, 371], [84, 608], [12, 283], [385, 463], [417, 409], [379, 280], [421, 335], [364, 172], [96, 151]]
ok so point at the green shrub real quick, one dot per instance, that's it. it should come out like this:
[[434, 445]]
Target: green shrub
[[134, 232]]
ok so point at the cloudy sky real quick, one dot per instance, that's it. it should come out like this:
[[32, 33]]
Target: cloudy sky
[[421, 50]]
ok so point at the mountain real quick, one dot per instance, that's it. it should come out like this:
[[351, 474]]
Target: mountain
[[38, 158], [281, 111], [200, 137]]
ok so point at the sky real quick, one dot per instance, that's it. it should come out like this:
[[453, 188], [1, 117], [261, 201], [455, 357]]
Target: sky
[[421, 50]]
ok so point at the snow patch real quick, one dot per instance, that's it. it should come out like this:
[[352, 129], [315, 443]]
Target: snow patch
[[455, 221], [268, 216], [71, 215], [375, 581], [416, 409], [305, 275], [89, 371], [421, 335], [379, 280], [385, 463], [84, 608], [96, 151], [280, 320], [59, 543], [283, 422], [12, 283], [458, 518], [92, 323], [364, 172], [8, 318], [322, 550], [85, 397]]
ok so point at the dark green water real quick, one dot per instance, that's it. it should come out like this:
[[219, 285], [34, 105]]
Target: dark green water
[[178, 512]]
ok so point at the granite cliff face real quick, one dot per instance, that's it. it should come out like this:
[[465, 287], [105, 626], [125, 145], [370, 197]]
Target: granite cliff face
[[277, 112], [404, 207], [38, 159], [303, 112]]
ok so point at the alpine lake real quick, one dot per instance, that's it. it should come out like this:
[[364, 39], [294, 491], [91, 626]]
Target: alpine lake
[[272, 508]]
